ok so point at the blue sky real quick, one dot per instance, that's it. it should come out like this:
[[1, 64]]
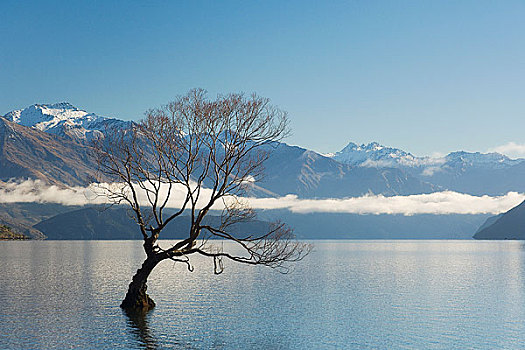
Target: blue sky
[[425, 76]]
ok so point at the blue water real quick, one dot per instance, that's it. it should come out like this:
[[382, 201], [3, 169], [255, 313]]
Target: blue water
[[345, 294]]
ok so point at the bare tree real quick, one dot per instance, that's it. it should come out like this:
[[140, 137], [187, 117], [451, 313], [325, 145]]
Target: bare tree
[[203, 153]]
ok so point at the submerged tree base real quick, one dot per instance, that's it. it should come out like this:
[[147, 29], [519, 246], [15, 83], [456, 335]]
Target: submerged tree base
[[137, 297], [142, 304]]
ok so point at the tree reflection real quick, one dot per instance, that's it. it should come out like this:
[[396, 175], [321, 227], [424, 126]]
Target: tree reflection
[[138, 323]]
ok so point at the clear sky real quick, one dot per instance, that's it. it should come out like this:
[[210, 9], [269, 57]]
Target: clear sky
[[425, 76]]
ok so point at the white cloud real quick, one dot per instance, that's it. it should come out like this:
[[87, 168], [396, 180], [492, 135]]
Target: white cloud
[[437, 155], [383, 163], [510, 149], [446, 202], [404, 161], [422, 161], [430, 171], [39, 192]]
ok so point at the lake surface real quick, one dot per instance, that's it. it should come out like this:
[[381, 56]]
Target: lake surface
[[345, 294]]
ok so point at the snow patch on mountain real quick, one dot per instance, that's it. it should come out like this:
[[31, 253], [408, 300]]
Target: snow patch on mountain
[[65, 120], [492, 160], [379, 156]]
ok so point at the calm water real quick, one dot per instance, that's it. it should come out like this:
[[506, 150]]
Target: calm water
[[346, 294]]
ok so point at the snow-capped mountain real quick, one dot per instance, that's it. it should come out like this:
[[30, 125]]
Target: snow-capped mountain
[[376, 155], [296, 170], [28, 153], [469, 172], [65, 120], [353, 171], [481, 160], [290, 169]]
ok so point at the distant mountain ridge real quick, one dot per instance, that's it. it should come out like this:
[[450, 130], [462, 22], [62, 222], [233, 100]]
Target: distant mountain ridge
[[27, 150], [377, 155], [55, 221], [290, 169], [467, 172], [52, 143], [65, 120], [296, 170], [117, 223]]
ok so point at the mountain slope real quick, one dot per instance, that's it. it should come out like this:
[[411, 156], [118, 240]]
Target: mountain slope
[[21, 217], [509, 225], [383, 226], [20, 227], [117, 223], [29, 153], [113, 224], [292, 169], [6, 233]]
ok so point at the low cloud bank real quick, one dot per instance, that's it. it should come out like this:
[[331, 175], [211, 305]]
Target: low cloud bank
[[405, 161], [438, 203], [38, 191], [510, 149]]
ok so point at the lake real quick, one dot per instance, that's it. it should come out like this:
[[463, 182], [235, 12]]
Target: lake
[[344, 295]]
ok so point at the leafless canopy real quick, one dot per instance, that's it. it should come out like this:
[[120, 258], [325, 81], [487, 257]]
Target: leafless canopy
[[205, 154]]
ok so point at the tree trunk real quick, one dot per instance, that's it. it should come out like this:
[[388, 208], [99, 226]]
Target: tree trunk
[[136, 297]]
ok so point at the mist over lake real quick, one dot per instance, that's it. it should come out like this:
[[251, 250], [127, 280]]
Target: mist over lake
[[345, 294]]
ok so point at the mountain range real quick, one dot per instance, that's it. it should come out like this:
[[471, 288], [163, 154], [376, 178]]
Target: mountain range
[[56, 221], [116, 223], [466, 172], [51, 142]]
